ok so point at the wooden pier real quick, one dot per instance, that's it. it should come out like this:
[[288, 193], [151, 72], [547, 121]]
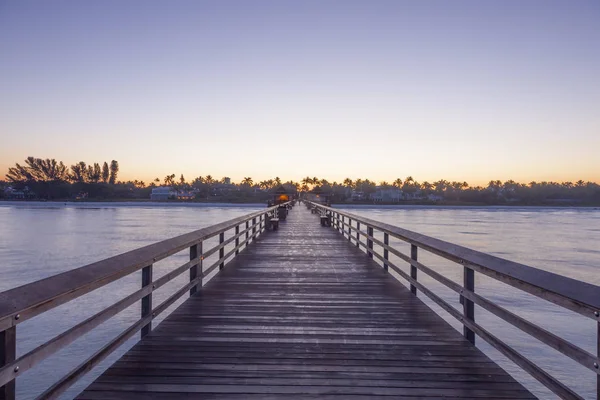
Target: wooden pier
[[302, 312]]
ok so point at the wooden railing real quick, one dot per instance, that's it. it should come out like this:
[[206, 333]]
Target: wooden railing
[[574, 295], [25, 302]]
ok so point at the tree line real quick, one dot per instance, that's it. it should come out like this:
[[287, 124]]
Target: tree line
[[49, 170], [51, 179]]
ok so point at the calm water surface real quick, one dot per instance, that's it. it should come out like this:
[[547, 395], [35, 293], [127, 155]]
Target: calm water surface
[[38, 240]]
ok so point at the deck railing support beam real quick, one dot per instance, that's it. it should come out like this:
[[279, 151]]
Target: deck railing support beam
[[468, 305], [413, 270], [237, 239], [386, 241], [146, 300], [8, 352], [247, 233], [357, 234], [349, 229], [195, 250], [369, 242], [221, 250]]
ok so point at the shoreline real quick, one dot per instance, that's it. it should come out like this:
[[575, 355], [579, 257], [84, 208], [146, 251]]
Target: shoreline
[[386, 205]]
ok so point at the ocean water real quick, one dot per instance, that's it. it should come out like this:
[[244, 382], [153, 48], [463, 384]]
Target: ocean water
[[38, 240]]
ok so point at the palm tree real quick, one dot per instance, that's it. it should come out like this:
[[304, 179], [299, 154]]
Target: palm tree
[[209, 180], [247, 181], [397, 183], [348, 183], [170, 180], [277, 181]]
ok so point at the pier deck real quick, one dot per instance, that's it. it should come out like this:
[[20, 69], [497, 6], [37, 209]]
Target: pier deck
[[302, 313]]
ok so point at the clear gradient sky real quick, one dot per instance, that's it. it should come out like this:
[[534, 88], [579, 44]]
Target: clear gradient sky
[[461, 90]]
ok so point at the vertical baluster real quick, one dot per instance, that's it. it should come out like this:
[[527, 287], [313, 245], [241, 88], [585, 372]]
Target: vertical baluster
[[357, 234], [468, 306], [8, 353], [194, 270], [221, 250], [370, 242], [253, 227], [237, 239], [342, 227], [146, 300], [386, 241], [413, 269], [247, 232]]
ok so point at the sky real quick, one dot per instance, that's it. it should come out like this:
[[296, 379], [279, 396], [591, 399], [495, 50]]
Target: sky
[[457, 90]]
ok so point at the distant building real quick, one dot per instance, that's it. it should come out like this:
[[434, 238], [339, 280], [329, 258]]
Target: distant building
[[14, 194], [163, 193], [387, 195], [227, 181], [187, 195]]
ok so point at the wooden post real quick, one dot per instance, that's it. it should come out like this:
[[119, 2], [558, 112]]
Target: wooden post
[[349, 229], [247, 233], [468, 306], [341, 229], [597, 366], [386, 241], [253, 227], [8, 353], [370, 242], [146, 300], [221, 250], [194, 269], [357, 234], [237, 239], [413, 269]]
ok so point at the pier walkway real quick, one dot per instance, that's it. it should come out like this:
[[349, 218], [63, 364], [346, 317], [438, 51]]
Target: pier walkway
[[303, 313], [310, 310]]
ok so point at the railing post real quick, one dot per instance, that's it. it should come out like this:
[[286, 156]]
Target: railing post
[[247, 233], [195, 250], [386, 241], [8, 353], [221, 250], [357, 234], [253, 228], [370, 242], [146, 300], [341, 227], [413, 269], [349, 229], [237, 239], [468, 306]]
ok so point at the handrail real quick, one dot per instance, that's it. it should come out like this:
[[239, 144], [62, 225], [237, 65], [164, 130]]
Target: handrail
[[581, 297], [573, 294], [24, 302]]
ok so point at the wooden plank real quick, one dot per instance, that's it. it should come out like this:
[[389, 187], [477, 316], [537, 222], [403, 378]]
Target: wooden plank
[[304, 314]]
